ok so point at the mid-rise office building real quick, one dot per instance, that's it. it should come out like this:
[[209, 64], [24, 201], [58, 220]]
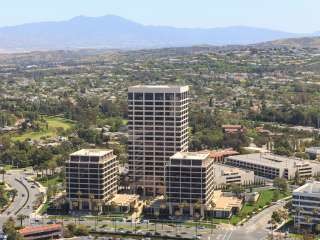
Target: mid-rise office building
[[272, 166], [306, 205], [158, 128], [189, 182], [91, 178], [227, 175]]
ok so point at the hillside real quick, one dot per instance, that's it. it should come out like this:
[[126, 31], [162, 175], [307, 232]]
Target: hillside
[[119, 33], [303, 42]]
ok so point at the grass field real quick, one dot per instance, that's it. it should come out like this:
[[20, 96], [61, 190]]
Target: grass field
[[54, 123]]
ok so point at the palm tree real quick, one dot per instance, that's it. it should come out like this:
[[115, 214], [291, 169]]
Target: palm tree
[[178, 214], [197, 215], [308, 220], [79, 196], [91, 198], [157, 213], [21, 218], [3, 172]]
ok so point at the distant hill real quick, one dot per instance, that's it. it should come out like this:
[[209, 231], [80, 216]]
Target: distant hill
[[119, 33], [303, 42]]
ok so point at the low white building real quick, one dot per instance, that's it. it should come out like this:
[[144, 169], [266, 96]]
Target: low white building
[[226, 175], [306, 205], [313, 152], [272, 166]]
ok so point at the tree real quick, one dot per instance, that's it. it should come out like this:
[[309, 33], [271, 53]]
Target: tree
[[237, 189], [3, 172], [276, 216], [81, 230], [21, 218], [317, 228], [281, 184], [9, 228], [276, 195], [297, 178]]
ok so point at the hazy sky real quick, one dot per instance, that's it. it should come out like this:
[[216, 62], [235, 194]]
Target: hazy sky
[[288, 15]]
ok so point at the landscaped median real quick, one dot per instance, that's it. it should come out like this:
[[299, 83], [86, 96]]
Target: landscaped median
[[7, 196]]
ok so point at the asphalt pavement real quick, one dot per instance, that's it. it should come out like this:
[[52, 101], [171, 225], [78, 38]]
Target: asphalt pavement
[[26, 195]]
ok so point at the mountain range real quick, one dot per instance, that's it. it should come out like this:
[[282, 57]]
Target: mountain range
[[114, 32]]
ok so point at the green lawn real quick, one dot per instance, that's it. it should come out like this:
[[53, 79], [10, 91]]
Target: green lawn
[[266, 197], [54, 123], [51, 180]]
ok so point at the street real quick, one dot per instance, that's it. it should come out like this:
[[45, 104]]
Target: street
[[255, 229], [26, 195]]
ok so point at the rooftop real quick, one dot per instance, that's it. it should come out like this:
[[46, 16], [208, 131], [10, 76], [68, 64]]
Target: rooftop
[[314, 150], [92, 152], [220, 153], [268, 159], [40, 229], [158, 88], [190, 155], [224, 169], [226, 203], [312, 187], [123, 199]]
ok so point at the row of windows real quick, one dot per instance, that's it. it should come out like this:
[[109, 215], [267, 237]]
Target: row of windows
[[306, 198], [160, 103], [157, 96], [133, 108], [158, 113], [158, 123]]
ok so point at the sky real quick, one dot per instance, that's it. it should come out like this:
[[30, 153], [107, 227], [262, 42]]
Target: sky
[[300, 16]]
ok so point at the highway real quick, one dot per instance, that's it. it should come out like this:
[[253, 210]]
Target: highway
[[25, 198]]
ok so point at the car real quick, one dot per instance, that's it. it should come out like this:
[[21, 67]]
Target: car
[[32, 186], [148, 234], [22, 195]]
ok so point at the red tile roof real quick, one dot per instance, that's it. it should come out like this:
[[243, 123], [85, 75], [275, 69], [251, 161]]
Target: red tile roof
[[41, 228], [221, 152]]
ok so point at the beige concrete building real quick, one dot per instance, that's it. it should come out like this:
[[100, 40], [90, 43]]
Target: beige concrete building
[[226, 175], [224, 206], [189, 183], [91, 178], [158, 128], [271, 166], [123, 202]]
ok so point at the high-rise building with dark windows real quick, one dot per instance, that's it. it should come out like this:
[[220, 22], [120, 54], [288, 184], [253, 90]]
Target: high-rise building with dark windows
[[91, 178], [158, 128]]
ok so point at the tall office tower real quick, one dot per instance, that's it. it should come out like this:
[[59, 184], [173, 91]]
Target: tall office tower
[[158, 128], [91, 178]]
